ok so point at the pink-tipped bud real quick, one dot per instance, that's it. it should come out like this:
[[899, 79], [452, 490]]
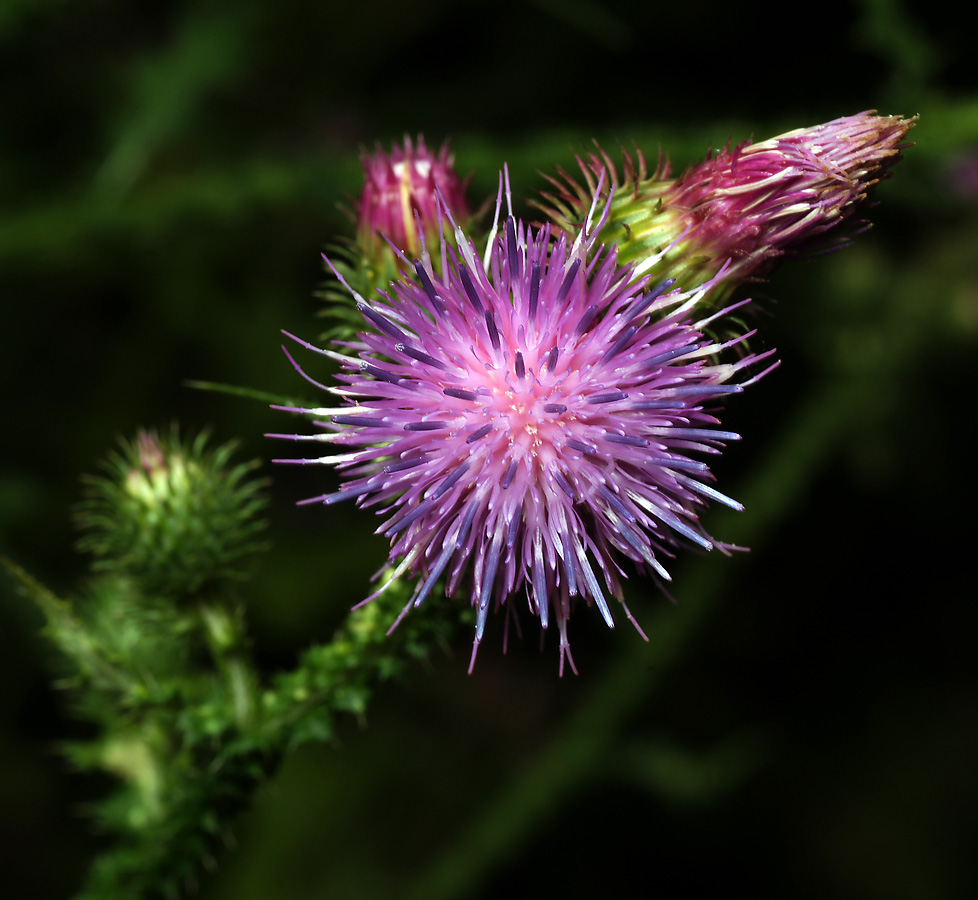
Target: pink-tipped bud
[[402, 187], [749, 205]]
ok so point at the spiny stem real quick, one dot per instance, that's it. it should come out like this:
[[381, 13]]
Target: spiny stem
[[225, 638]]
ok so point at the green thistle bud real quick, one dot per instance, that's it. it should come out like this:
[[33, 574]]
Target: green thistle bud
[[173, 516]]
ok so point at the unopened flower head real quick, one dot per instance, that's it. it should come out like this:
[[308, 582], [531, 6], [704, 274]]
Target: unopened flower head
[[173, 515], [529, 422], [401, 189], [748, 205]]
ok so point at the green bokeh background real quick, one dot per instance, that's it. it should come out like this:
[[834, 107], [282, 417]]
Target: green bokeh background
[[803, 721]]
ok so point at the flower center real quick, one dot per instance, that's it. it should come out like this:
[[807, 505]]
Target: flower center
[[522, 406]]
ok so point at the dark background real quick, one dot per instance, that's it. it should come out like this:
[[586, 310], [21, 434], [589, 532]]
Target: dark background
[[168, 176]]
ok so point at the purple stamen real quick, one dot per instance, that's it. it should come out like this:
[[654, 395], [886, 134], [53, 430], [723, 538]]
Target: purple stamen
[[631, 440], [360, 421], [585, 323], [429, 288], [420, 356], [479, 433], [509, 475], [379, 374], [534, 291], [645, 301], [452, 479], [565, 285], [620, 343], [427, 425], [469, 288], [607, 397], [491, 328], [461, 394], [382, 322]]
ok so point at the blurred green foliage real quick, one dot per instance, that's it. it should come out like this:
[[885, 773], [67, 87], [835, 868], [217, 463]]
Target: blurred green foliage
[[802, 722]]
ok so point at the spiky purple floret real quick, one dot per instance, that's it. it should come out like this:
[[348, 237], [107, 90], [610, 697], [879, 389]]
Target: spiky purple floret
[[530, 424]]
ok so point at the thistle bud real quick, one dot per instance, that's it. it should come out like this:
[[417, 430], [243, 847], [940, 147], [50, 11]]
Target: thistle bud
[[399, 189], [750, 205], [173, 516]]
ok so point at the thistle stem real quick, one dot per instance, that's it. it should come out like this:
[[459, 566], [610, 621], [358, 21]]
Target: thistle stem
[[225, 638]]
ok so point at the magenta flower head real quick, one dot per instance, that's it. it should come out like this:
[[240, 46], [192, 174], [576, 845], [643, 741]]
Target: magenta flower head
[[528, 423], [401, 190], [795, 193]]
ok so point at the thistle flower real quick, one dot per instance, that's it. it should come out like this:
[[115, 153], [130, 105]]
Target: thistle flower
[[401, 189], [173, 515], [793, 193], [528, 423]]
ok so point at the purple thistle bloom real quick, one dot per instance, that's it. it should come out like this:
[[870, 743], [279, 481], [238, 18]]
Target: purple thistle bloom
[[528, 423]]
